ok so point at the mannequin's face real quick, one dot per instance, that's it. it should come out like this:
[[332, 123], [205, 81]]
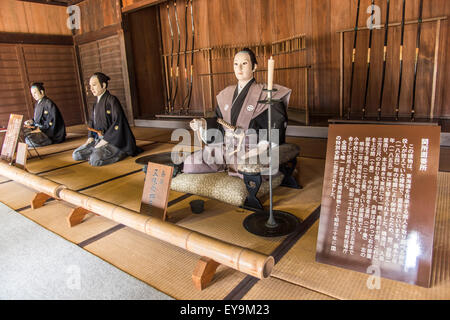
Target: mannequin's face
[[243, 66], [96, 88], [37, 95]]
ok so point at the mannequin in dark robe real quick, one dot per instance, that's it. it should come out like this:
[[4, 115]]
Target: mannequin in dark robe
[[238, 106], [47, 126], [110, 138]]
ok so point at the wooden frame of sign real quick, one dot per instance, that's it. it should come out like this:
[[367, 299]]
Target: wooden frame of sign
[[156, 190], [379, 200], [21, 155], [11, 137]]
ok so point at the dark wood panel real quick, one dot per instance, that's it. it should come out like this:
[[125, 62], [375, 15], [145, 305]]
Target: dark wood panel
[[55, 67], [147, 61], [106, 13], [10, 93], [233, 22], [29, 20], [12, 99], [105, 56]]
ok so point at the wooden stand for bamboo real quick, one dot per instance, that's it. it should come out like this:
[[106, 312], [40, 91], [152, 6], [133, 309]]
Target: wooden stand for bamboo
[[218, 252], [39, 199], [204, 272], [76, 216]]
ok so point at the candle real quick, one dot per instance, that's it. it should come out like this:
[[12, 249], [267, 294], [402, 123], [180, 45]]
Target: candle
[[270, 68]]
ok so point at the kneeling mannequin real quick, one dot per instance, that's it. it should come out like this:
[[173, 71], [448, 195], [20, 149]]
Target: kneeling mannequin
[[47, 126], [110, 138]]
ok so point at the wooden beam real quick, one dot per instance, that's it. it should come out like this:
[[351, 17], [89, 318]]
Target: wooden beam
[[73, 2], [140, 4], [32, 38], [435, 69], [102, 33], [50, 2], [396, 24], [25, 80]]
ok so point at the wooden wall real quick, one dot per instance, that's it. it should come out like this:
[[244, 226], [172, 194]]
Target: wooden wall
[[100, 46], [237, 23], [105, 56], [342, 16], [97, 14], [233, 22], [29, 17], [145, 52], [54, 65], [24, 27], [240, 22], [12, 88]]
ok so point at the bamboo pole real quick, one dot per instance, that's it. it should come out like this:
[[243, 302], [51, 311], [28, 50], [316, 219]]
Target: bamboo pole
[[30, 180], [233, 256]]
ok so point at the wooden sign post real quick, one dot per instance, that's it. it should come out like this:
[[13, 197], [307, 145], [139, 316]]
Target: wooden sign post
[[21, 155], [11, 137], [379, 200], [156, 190]]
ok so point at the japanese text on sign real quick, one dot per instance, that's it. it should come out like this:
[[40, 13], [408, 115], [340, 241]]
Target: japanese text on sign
[[375, 175]]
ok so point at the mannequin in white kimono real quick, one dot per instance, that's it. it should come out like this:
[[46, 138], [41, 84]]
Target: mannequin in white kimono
[[238, 106]]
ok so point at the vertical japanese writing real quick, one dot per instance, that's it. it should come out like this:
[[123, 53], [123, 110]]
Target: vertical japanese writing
[[374, 176]]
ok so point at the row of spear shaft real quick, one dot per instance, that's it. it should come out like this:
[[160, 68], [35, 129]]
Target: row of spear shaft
[[386, 27], [173, 81]]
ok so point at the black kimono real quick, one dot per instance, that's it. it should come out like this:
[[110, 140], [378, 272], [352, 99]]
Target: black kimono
[[49, 120], [108, 117]]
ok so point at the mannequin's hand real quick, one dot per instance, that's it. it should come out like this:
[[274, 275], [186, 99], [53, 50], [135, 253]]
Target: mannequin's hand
[[101, 143]]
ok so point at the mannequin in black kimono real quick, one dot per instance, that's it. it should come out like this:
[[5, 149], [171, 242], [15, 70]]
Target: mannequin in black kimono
[[110, 138], [47, 126], [238, 106]]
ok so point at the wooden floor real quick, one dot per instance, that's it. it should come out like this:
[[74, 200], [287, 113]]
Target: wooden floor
[[296, 275]]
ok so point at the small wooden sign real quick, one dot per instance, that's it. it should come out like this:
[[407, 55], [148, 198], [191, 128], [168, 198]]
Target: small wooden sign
[[156, 190], [21, 155], [11, 137], [379, 200]]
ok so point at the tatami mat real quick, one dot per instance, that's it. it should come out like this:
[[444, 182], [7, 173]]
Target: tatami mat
[[164, 266], [299, 266], [169, 269], [53, 216], [84, 175], [276, 289], [15, 195], [70, 144]]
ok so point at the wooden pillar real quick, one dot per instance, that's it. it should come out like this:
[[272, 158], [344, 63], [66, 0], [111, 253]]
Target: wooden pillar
[[435, 70], [25, 80], [306, 95], [341, 75], [211, 84]]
